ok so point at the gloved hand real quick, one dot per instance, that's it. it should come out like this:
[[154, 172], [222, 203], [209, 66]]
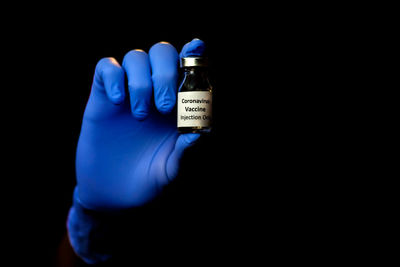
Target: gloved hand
[[129, 147]]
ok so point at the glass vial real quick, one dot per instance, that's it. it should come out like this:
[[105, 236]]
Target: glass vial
[[195, 97]]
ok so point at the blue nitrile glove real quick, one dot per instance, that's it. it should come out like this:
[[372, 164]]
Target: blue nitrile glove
[[129, 147]]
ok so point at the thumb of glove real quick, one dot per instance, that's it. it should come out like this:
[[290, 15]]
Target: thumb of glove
[[183, 142]]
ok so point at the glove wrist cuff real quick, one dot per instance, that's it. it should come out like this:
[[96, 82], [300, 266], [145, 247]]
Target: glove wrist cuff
[[97, 236], [89, 232]]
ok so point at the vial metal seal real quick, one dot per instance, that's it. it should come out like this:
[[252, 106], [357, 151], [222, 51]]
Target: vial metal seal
[[194, 97]]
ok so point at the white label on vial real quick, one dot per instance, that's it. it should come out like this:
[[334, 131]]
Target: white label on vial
[[194, 109]]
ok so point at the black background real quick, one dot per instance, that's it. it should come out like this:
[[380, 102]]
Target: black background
[[259, 185]]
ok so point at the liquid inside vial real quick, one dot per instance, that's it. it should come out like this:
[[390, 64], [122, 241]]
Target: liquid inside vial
[[194, 98]]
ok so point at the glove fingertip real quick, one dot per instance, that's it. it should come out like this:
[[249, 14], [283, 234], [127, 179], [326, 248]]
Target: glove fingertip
[[190, 138], [195, 47]]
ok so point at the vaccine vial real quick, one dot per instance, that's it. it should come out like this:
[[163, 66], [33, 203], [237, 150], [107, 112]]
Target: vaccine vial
[[195, 97]]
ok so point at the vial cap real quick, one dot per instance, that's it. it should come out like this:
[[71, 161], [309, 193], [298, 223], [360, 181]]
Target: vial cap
[[194, 62]]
